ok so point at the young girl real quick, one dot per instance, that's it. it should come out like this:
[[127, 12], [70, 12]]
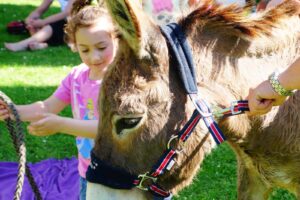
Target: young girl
[[92, 34]]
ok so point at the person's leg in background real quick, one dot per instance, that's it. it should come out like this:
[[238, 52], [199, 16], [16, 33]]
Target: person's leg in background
[[38, 38]]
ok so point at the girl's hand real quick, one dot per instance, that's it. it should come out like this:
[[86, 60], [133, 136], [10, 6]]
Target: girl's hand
[[4, 111], [262, 98], [258, 105], [49, 124]]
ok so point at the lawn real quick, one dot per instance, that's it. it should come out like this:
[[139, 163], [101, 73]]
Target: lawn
[[27, 77]]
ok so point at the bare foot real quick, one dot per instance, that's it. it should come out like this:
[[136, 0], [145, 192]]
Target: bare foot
[[37, 46], [15, 46]]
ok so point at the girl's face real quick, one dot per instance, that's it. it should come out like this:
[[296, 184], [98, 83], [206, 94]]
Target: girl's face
[[96, 45]]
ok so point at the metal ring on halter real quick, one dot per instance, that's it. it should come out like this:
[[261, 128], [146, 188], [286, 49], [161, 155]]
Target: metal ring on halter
[[173, 137], [204, 114], [194, 98]]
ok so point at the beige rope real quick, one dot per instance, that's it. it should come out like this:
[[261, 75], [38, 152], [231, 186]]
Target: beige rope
[[15, 128]]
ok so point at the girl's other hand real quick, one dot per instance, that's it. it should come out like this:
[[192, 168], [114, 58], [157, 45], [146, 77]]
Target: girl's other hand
[[49, 124], [262, 98]]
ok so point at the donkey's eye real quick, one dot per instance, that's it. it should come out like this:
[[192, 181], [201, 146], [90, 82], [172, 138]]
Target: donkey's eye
[[126, 123]]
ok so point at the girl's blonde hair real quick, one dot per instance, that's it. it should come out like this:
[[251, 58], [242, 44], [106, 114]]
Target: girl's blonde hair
[[84, 15]]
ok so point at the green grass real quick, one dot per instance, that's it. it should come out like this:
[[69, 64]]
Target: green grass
[[27, 77]]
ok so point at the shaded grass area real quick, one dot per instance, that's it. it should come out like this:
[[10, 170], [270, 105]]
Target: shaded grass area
[[27, 77]]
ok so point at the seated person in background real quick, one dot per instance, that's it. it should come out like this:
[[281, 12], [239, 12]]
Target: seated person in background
[[44, 32]]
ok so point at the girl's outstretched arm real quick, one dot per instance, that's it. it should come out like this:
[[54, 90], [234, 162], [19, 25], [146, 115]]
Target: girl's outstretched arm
[[33, 112], [290, 78], [51, 124]]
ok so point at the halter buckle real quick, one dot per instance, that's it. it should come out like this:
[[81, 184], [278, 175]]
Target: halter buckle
[[144, 177]]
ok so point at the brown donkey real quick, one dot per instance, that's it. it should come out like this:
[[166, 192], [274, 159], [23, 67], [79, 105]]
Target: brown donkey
[[142, 101]]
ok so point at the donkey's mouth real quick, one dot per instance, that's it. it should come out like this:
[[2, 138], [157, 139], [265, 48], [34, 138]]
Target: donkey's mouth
[[126, 124]]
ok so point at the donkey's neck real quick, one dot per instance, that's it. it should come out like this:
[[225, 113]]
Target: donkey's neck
[[238, 63], [227, 66], [283, 36]]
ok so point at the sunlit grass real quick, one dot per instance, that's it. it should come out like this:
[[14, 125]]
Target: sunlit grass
[[30, 76]]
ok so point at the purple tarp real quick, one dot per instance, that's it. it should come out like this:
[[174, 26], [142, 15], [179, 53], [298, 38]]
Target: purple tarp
[[56, 179]]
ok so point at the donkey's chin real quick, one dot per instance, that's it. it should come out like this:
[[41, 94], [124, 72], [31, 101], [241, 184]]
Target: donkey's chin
[[101, 192]]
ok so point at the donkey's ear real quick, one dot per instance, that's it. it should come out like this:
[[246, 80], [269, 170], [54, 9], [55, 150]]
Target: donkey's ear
[[128, 16]]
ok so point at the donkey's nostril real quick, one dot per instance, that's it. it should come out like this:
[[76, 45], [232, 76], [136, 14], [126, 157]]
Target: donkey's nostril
[[126, 123]]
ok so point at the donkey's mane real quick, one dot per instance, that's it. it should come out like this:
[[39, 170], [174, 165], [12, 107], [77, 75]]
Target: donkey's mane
[[235, 20]]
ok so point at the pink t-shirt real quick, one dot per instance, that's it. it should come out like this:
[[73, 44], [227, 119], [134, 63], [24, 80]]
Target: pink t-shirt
[[82, 93]]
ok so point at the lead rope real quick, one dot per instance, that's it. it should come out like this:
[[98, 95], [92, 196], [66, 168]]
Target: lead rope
[[16, 131]]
